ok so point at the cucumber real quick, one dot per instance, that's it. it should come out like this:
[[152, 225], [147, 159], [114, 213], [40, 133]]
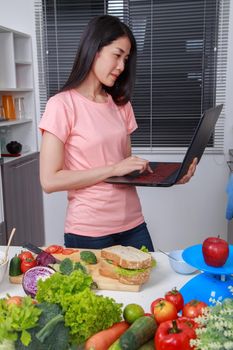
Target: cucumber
[[148, 346], [140, 332], [14, 269]]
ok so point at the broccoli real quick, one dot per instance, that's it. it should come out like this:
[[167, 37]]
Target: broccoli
[[66, 266], [79, 266], [88, 257]]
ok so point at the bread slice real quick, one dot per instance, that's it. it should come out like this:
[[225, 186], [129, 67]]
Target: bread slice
[[127, 257], [125, 276]]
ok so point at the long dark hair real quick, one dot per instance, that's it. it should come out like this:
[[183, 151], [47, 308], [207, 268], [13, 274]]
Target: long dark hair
[[102, 31]]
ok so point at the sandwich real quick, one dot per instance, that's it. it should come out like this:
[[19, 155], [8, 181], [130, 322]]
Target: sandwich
[[126, 264]]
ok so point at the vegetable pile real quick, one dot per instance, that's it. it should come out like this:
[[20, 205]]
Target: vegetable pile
[[21, 263], [85, 313], [24, 261], [66, 313], [16, 320], [62, 311]]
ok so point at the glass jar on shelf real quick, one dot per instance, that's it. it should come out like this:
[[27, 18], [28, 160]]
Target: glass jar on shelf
[[2, 113], [9, 107], [19, 108]]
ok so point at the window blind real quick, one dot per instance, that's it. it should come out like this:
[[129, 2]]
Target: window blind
[[181, 63]]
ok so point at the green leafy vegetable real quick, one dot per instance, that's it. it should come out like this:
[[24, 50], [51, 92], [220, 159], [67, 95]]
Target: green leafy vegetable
[[60, 287], [18, 318], [67, 315], [47, 330], [67, 266], [79, 266], [88, 257], [216, 327], [128, 272], [145, 250], [50, 333], [85, 313], [88, 313]]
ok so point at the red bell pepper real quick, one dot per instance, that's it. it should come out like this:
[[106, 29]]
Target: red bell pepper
[[175, 335]]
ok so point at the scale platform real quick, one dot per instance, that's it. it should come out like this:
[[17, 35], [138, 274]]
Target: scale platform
[[213, 283]]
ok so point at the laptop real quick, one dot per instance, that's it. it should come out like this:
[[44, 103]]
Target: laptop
[[169, 173]]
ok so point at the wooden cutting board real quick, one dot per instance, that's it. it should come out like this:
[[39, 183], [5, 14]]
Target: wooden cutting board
[[104, 283]]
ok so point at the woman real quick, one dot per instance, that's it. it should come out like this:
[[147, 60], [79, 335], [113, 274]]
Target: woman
[[86, 139]]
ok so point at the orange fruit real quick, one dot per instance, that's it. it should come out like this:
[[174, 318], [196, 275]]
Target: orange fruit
[[132, 311]]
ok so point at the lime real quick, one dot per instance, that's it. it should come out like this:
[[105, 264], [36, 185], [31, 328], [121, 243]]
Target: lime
[[132, 311]]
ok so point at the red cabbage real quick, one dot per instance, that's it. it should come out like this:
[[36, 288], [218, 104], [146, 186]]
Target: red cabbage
[[44, 259], [31, 277]]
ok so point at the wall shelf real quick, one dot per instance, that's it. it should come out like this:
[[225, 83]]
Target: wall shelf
[[14, 122], [17, 80], [3, 90]]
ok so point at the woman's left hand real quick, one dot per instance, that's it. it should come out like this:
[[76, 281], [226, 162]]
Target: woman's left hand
[[190, 173]]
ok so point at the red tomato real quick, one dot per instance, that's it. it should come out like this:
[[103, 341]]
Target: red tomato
[[193, 309], [17, 300], [27, 264], [175, 335], [68, 251], [54, 249], [165, 310], [176, 298], [25, 254], [156, 301]]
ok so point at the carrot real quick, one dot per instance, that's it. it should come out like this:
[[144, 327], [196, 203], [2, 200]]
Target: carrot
[[104, 339]]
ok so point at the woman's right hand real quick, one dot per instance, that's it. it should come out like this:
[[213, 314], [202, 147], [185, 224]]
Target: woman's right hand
[[130, 164]]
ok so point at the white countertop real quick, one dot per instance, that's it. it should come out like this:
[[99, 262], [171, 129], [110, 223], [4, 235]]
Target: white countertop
[[162, 279]]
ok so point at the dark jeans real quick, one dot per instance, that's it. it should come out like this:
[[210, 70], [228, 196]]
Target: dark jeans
[[136, 237]]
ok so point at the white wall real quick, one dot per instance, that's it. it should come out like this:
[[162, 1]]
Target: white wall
[[177, 216]]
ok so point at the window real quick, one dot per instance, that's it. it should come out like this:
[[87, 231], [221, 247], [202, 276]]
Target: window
[[181, 61]]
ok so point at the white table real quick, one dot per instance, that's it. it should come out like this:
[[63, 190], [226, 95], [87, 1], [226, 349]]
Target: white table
[[162, 279]]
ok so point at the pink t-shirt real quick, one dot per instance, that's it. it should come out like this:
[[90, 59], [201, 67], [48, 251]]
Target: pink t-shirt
[[94, 135]]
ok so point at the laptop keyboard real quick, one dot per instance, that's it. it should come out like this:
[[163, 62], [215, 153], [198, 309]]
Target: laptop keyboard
[[162, 172]]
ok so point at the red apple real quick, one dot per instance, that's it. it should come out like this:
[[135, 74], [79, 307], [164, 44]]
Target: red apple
[[215, 251]]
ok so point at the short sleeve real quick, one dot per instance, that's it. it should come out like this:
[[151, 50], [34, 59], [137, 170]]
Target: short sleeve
[[57, 118], [130, 118]]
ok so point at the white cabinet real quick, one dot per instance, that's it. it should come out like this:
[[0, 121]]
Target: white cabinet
[[21, 197], [16, 80]]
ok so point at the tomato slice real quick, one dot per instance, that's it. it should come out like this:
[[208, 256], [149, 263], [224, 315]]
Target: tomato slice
[[68, 251], [54, 249]]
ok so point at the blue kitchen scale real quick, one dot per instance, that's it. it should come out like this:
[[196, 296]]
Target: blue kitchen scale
[[213, 283]]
